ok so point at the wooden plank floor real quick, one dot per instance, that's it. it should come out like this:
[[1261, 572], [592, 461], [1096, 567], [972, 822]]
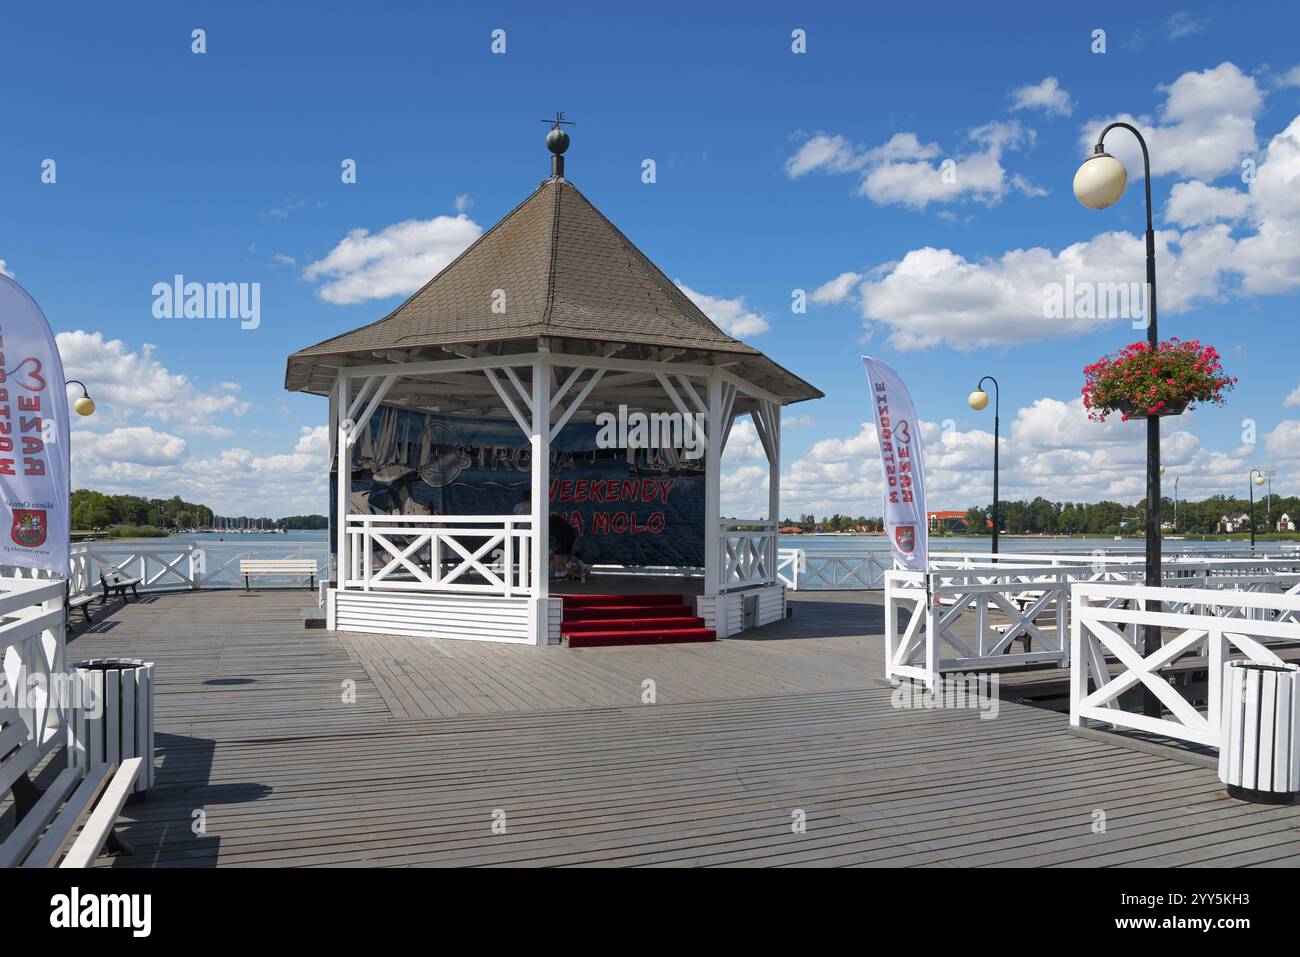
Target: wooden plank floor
[[258, 741]]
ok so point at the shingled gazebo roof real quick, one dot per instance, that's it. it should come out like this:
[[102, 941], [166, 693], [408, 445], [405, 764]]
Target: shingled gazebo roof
[[567, 274]]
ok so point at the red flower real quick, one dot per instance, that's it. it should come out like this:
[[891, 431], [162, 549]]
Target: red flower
[[1185, 372]]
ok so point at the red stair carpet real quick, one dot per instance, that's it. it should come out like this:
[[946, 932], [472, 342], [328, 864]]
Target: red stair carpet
[[594, 620]]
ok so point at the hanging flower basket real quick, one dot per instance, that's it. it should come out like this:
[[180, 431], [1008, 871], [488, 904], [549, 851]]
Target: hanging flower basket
[[1136, 410], [1140, 382]]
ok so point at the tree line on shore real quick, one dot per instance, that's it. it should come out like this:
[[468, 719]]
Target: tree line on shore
[[98, 510], [1041, 516], [1205, 517]]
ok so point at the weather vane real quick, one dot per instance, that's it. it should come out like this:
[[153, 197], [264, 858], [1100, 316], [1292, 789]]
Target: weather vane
[[559, 119], [557, 141]]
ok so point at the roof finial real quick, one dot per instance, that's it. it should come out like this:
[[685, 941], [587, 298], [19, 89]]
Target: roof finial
[[557, 141]]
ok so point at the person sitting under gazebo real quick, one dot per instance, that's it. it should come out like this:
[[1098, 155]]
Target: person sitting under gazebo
[[562, 535]]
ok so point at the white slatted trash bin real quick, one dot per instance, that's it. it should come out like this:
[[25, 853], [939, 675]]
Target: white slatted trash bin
[[1258, 760], [112, 715]]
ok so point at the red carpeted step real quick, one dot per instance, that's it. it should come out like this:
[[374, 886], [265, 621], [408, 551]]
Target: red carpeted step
[[596, 639], [604, 601], [625, 611], [630, 624]]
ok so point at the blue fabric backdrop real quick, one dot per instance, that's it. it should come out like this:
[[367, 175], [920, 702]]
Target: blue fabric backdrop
[[628, 508]]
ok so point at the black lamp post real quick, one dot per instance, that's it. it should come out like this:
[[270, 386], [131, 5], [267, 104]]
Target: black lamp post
[[83, 406], [1099, 183], [1253, 477], [979, 399]]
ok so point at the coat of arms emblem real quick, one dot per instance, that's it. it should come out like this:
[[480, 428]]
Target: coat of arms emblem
[[29, 527], [905, 537]]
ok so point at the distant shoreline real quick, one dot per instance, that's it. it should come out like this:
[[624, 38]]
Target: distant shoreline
[[1099, 536]]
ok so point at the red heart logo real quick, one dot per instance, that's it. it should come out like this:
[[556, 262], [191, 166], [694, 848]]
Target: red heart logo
[[29, 379]]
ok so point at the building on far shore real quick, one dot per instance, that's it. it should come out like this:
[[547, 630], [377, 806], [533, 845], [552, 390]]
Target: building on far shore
[[950, 521], [1285, 524], [1234, 523]]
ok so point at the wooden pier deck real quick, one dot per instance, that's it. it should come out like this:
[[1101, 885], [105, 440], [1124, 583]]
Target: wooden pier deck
[[261, 743]]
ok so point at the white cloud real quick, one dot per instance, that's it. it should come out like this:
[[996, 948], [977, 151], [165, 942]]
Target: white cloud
[[908, 172], [976, 175], [1239, 243], [463, 203], [1284, 441], [825, 153], [128, 386], [1023, 184], [836, 290], [1291, 77], [732, 316], [1052, 449], [935, 296], [1194, 204], [140, 461], [1046, 95], [1269, 260], [1294, 398], [133, 445], [1183, 24], [4, 269], [283, 259], [397, 260], [1205, 128]]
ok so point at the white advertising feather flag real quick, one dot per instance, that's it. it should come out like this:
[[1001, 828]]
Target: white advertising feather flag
[[34, 520], [902, 466]]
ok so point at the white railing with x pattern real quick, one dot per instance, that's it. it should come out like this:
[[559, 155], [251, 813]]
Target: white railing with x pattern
[[999, 607], [747, 553], [1210, 623], [162, 565], [831, 570], [971, 615], [475, 554]]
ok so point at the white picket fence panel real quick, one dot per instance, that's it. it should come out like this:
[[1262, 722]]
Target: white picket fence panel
[[1006, 601], [164, 566], [1212, 622], [32, 646], [474, 554]]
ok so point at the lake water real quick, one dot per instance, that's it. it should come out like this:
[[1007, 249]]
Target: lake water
[[852, 544]]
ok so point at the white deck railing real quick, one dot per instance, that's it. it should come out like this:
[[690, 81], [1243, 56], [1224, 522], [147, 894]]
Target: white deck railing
[[476, 554], [850, 572], [790, 564], [1003, 605], [747, 553], [168, 566], [866, 570], [33, 650], [1000, 604], [1212, 623]]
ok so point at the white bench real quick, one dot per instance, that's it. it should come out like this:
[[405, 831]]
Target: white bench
[[111, 579], [67, 824], [278, 568], [82, 602]]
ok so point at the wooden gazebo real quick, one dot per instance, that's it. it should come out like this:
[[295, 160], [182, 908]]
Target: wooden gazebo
[[549, 318]]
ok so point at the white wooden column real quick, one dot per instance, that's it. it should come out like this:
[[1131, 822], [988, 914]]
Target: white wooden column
[[712, 485], [342, 491], [540, 495], [774, 484]]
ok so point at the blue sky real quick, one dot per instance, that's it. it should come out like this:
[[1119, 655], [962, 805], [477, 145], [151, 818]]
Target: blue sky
[[775, 171]]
